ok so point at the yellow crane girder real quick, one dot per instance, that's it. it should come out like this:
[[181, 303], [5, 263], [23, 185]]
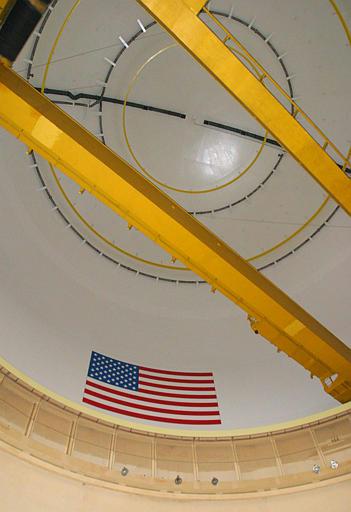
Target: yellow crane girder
[[5, 6], [180, 18], [45, 128]]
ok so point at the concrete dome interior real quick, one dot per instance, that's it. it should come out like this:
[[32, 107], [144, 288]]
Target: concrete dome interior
[[89, 283]]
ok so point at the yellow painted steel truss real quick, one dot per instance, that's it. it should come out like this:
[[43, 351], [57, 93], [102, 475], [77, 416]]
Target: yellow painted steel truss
[[45, 128], [180, 18], [5, 6]]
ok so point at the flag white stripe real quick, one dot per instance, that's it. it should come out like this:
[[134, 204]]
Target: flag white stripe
[[176, 373], [151, 413], [175, 379], [198, 391], [178, 405], [157, 397], [177, 382]]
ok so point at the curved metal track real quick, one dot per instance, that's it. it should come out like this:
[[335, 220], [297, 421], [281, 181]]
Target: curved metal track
[[100, 101]]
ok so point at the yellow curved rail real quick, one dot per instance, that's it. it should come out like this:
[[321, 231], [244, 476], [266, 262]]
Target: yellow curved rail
[[56, 41], [295, 233], [105, 239], [57, 181], [342, 20], [145, 171], [265, 75]]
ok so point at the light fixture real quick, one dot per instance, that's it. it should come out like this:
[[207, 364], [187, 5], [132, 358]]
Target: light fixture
[[214, 481], [334, 464], [178, 480], [124, 471], [316, 469]]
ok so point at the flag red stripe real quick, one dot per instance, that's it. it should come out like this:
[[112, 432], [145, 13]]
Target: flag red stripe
[[151, 418], [169, 372], [168, 379], [148, 408], [180, 388], [153, 400], [174, 395]]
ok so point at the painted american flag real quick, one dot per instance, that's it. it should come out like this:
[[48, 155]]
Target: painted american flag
[[184, 398]]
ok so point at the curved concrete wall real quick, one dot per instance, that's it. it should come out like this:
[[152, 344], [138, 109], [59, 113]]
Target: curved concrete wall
[[29, 488], [286, 456]]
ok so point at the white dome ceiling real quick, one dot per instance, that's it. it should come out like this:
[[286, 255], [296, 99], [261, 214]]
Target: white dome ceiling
[[60, 299]]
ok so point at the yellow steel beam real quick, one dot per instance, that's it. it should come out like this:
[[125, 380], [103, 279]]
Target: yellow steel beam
[[180, 18], [5, 6], [45, 128], [195, 5]]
